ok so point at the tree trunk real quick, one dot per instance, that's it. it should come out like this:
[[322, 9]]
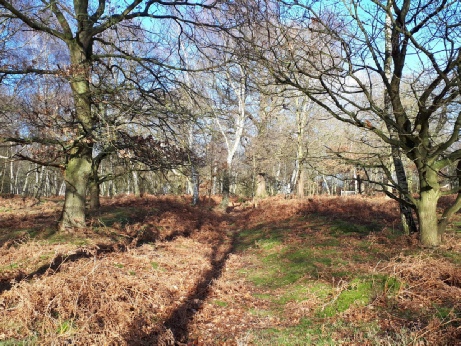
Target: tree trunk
[[195, 182], [298, 177], [95, 192], [109, 191], [46, 183], [406, 212], [301, 181], [55, 184], [3, 179], [62, 188], [136, 189], [326, 185], [38, 182], [12, 177], [294, 177], [356, 182], [26, 183], [455, 207], [225, 187], [426, 207], [79, 157], [214, 180], [77, 173], [427, 214], [261, 185]]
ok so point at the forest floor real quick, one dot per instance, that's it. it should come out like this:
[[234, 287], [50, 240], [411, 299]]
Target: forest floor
[[158, 271]]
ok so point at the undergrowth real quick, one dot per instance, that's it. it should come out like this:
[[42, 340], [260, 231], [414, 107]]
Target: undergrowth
[[156, 270], [332, 281]]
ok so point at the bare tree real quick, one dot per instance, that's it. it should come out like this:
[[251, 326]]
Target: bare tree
[[341, 45], [83, 31], [406, 207]]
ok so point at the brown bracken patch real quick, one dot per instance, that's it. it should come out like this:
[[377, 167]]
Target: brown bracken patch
[[157, 270]]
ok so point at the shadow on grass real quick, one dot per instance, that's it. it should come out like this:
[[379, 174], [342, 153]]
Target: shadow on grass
[[117, 213], [313, 247], [176, 327], [15, 226], [136, 220], [359, 211], [285, 265], [54, 266], [178, 322], [325, 254]]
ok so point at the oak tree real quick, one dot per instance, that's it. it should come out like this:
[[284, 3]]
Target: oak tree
[[341, 45], [87, 34]]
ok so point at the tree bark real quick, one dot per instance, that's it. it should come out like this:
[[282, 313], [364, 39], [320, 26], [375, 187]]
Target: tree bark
[[78, 170], [195, 182], [25, 185], [301, 181], [95, 192], [298, 177], [449, 212], [136, 189], [225, 187], [261, 185], [79, 159], [12, 187], [3, 179], [428, 223], [427, 208], [38, 181], [356, 181], [94, 184], [327, 187], [406, 212]]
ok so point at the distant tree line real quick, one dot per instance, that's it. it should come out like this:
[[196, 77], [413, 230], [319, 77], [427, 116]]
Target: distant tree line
[[100, 98]]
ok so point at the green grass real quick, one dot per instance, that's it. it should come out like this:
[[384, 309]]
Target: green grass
[[308, 332], [444, 312], [339, 228], [320, 268], [294, 293], [10, 266], [219, 303], [259, 237], [286, 264], [282, 268], [66, 327], [67, 238], [331, 242], [48, 235], [121, 216], [357, 292], [305, 333], [452, 256]]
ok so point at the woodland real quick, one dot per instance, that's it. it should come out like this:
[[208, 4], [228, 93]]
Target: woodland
[[240, 172]]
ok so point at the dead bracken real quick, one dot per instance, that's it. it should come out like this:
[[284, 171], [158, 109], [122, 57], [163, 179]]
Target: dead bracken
[[156, 270]]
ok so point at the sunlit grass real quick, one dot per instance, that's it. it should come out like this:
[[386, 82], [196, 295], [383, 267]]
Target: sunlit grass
[[315, 265]]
